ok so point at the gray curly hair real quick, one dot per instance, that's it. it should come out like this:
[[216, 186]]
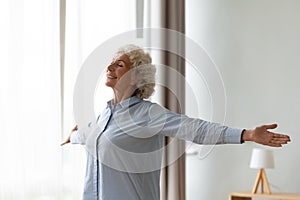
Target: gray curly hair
[[142, 69]]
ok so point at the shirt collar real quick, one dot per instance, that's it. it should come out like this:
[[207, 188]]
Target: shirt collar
[[125, 103]]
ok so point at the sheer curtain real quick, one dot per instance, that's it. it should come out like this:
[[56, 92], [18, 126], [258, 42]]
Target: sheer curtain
[[33, 165], [29, 100], [88, 24]]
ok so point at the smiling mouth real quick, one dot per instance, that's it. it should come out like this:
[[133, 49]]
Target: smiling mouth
[[111, 77]]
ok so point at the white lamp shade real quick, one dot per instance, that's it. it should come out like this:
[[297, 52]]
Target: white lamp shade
[[262, 158]]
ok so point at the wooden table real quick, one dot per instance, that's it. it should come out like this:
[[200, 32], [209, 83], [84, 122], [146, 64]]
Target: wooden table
[[250, 195]]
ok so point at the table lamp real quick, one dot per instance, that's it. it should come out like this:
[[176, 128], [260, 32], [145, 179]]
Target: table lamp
[[261, 159]]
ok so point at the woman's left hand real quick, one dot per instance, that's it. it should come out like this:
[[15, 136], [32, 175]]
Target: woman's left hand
[[261, 135]]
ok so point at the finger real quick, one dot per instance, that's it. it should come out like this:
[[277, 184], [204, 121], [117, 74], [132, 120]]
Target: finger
[[281, 139], [274, 145], [279, 142], [277, 135], [284, 137], [281, 136], [270, 126], [276, 141]]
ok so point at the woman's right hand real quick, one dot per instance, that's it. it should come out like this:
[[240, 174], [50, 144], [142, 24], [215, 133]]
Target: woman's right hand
[[69, 137]]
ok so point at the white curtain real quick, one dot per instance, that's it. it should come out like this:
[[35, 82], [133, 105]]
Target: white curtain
[[33, 165], [88, 24], [29, 100]]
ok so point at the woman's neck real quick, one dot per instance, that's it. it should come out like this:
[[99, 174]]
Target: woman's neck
[[122, 95]]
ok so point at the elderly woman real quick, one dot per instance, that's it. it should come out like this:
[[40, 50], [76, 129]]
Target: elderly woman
[[124, 144]]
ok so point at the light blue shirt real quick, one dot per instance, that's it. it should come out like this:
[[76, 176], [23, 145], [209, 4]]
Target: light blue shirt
[[124, 147]]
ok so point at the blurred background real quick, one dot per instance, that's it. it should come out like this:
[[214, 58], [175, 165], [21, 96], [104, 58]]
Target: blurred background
[[256, 46]]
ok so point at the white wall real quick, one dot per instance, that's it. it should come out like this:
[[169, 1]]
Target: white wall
[[256, 46]]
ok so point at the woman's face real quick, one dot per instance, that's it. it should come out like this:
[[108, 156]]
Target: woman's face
[[116, 70]]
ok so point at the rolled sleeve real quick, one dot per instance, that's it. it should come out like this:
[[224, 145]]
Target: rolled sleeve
[[80, 136], [75, 138]]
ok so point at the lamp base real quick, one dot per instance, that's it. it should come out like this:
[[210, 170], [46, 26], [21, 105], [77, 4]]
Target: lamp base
[[261, 178]]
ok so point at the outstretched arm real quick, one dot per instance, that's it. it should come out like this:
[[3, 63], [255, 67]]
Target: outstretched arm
[[261, 135], [68, 140]]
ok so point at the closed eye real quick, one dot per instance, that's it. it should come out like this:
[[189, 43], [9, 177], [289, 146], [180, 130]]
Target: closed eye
[[118, 64]]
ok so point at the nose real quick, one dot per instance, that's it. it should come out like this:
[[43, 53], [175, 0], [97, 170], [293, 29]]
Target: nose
[[110, 67]]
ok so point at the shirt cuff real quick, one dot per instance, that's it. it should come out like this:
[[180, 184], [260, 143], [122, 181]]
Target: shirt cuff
[[233, 135]]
